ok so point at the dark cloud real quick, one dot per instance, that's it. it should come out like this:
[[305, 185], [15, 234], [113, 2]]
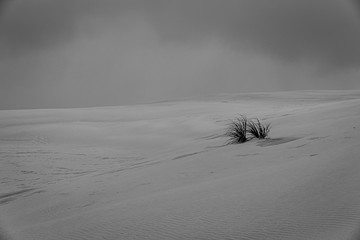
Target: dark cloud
[[357, 3], [34, 24], [2, 4], [30, 25], [324, 31]]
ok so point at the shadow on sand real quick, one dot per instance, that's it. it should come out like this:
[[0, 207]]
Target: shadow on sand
[[275, 141]]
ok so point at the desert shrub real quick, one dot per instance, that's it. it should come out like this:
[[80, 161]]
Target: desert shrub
[[258, 129], [237, 130]]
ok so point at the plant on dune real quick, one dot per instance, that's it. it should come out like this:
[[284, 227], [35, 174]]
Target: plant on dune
[[258, 129], [237, 130]]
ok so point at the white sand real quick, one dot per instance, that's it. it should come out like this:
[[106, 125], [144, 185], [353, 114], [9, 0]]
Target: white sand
[[160, 171]]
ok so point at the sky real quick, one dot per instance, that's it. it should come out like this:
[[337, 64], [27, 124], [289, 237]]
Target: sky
[[85, 53]]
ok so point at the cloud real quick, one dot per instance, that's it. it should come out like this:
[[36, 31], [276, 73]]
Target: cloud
[[2, 4], [29, 25], [326, 32], [38, 24]]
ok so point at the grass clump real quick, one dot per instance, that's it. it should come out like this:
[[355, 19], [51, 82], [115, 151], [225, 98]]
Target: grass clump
[[237, 130], [258, 129]]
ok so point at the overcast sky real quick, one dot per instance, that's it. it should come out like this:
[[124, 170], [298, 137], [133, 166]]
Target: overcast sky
[[83, 53]]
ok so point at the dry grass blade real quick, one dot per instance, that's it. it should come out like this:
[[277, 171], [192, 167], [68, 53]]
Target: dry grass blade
[[258, 129], [237, 130]]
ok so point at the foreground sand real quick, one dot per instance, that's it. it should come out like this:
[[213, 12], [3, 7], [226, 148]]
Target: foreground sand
[[161, 171]]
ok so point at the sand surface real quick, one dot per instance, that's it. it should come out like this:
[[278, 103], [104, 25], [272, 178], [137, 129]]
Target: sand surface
[[162, 171]]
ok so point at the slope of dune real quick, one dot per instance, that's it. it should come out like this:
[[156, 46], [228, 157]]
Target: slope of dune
[[162, 171]]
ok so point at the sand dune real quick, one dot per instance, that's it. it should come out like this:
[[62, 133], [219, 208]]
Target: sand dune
[[162, 171]]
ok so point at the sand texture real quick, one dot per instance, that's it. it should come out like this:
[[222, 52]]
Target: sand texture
[[162, 171]]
